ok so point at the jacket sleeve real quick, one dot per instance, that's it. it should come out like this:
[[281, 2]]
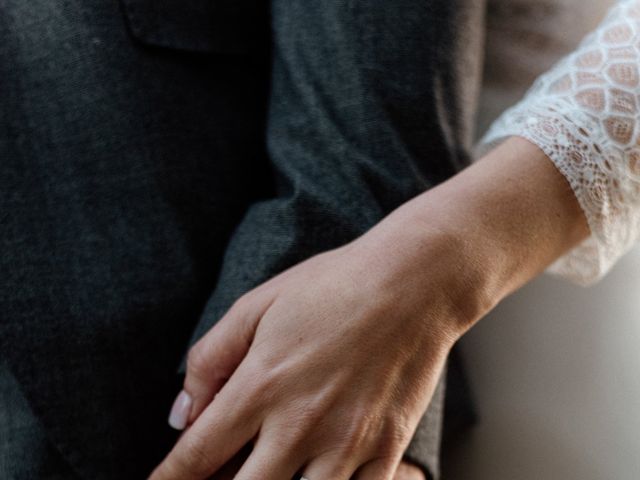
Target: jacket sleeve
[[365, 112]]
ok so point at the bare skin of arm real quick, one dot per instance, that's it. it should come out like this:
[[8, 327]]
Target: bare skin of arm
[[327, 368]]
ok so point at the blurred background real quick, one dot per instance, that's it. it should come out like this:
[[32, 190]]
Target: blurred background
[[555, 368], [555, 371]]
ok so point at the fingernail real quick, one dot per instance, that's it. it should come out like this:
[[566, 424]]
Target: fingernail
[[180, 411]]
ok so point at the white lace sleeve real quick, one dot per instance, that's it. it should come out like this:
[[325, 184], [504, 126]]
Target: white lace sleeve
[[585, 115]]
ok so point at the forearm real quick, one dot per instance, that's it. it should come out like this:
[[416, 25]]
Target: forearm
[[583, 113], [486, 231]]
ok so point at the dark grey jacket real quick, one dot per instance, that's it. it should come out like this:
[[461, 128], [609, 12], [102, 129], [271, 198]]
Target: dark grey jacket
[[160, 157]]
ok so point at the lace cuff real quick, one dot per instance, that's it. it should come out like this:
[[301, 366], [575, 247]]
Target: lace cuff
[[584, 115]]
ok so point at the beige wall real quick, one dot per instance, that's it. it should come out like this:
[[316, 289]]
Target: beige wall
[[556, 374], [556, 368]]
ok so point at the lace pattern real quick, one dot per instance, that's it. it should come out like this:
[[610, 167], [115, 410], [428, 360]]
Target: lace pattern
[[585, 115]]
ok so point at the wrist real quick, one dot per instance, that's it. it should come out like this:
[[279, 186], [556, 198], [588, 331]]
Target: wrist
[[450, 261], [426, 268], [481, 235]]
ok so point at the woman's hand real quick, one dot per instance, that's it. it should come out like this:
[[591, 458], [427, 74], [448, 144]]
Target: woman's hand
[[327, 369], [406, 470]]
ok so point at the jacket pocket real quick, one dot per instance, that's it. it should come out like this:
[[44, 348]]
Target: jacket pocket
[[206, 26]]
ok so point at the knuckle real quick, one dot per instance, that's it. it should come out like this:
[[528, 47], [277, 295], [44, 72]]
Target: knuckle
[[198, 361], [392, 439], [358, 432], [296, 434], [315, 413], [261, 382], [408, 471], [310, 419], [340, 471], [385, 434], [389, 450], [301, 424], [197, 459], [177, 466], [241, 303]]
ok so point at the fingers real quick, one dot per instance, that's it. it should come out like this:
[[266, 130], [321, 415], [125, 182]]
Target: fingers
[[271, 459], [409, 471], [232, 467], [380, 469], [214, 358], [225, 426], [333, 466]]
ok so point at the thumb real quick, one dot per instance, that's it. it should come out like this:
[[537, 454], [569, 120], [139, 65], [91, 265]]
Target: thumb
[[214, 358]]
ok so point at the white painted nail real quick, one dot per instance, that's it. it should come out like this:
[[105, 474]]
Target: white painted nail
[[180, 411]]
